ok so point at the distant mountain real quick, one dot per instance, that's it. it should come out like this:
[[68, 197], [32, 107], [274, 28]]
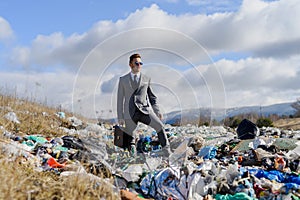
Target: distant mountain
[[189, 115], [193, 115], [279, 109]]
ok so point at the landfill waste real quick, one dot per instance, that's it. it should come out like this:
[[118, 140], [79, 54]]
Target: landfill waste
[[61, 115], [11, 116], [206, 162]]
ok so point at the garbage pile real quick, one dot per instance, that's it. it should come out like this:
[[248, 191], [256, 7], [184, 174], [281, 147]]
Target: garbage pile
[[206, 163]]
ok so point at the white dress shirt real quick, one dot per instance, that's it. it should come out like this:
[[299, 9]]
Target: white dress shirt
[[138, 75]]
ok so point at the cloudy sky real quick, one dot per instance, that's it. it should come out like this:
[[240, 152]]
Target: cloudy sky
[[199, 53]]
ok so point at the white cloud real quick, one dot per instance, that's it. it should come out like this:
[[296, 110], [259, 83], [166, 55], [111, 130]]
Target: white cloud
[[253, 73], [55, 88], [266, 31], [254, 26], [259, 80], [5, 30]]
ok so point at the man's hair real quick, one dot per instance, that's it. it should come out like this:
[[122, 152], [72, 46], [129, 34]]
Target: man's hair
[[133, 56]]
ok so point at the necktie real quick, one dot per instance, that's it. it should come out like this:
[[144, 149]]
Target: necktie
[[135, 79], [135, 82]]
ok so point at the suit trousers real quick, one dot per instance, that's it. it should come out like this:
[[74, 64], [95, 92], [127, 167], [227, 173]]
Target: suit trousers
[[150, 120]]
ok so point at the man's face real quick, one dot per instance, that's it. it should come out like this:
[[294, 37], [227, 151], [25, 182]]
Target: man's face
[[136, 65]]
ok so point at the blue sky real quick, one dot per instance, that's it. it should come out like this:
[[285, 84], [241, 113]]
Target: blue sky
[[202, 53]]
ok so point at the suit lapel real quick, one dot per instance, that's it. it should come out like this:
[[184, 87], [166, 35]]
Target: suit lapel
[[130, 81]]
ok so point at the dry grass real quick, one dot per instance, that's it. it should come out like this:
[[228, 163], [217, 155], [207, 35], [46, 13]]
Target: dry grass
[[34, 118], [18, 178], [290, 123], [20, 181]]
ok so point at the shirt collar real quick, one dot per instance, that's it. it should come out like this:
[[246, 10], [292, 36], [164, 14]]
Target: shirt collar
[[138, 75]]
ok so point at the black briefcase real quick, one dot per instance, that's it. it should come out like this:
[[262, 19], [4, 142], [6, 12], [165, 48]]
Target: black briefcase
[[121, 139]]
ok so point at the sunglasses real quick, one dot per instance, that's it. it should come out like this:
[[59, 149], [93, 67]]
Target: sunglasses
[[138, 63]]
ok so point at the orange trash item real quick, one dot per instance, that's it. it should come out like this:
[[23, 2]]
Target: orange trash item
[[240, 159], [54, 164], [279, 163]]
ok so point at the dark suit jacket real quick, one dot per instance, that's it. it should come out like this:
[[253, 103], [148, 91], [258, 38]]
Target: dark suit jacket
[[130, 99]]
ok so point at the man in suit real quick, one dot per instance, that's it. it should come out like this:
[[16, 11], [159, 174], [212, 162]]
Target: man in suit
[[136, 102]]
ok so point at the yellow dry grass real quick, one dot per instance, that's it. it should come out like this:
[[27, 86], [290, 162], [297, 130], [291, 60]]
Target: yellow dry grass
[[290, 123], [18, 178], [20, 181]]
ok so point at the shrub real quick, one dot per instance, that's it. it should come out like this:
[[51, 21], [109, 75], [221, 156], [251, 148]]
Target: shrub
[[266, 122]]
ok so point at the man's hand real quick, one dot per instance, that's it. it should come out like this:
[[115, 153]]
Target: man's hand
[[160, 116], [121, 122]]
